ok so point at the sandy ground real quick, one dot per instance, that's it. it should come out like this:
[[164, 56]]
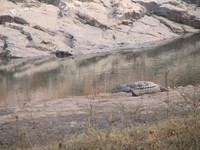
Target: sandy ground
[[48, 121], [83, 104]]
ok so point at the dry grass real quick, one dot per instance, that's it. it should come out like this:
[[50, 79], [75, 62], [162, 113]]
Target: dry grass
[[173, 134], [176, 134]]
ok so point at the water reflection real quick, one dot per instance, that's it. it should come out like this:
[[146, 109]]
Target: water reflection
[[49, 78]]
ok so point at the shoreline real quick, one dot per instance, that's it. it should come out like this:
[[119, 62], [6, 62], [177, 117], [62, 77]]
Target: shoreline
[[133, 48]]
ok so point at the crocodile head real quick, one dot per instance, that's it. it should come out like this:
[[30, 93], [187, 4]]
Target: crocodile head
[[120, 88]]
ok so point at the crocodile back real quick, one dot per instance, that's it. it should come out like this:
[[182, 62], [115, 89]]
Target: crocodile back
[[142, 91], [142, 84]]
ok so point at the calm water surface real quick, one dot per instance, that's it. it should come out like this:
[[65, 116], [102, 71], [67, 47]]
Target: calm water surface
[[176, 63]]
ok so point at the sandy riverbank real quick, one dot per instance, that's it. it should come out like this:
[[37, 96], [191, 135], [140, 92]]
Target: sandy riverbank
[[57, 119]]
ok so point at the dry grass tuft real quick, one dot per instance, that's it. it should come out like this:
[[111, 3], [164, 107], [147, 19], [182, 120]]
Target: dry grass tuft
[[173, 134], [176, 134]]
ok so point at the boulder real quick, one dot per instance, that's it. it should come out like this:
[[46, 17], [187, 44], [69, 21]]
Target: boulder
[[5, 18], [8, 18], [61, 54]]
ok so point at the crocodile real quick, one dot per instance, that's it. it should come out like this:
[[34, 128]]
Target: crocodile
[[138, 88]]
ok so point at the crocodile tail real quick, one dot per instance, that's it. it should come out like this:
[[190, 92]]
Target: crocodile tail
[[162, 89]]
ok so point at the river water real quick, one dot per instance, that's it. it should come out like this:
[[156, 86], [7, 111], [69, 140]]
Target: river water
[[175, 63]]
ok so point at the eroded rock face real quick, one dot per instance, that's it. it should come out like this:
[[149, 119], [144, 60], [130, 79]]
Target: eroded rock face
[[40, 27], [176, 11], [179, 13]]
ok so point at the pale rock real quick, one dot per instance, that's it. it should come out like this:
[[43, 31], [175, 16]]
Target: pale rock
[[91, 26], [129, 10]]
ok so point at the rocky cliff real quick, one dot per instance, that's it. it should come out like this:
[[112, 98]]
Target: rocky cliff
[[31, 28]]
